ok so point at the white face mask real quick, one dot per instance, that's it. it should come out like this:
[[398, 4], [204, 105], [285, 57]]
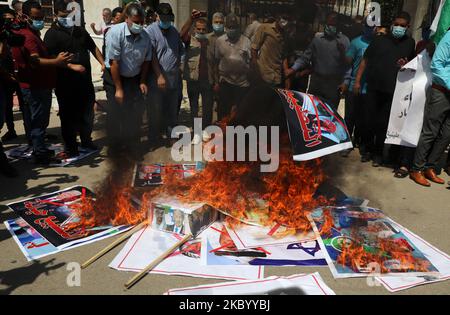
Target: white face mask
[[136, 29]]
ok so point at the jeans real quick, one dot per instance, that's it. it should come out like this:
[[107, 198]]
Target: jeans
[[10, 88], [124, 121], [39, 102], [203, 88], [76, 111], [162, 111], [229, 95], [435, 135]]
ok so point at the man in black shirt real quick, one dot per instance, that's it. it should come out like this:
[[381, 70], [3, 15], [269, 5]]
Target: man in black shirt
[[74, 91], [385, 56]]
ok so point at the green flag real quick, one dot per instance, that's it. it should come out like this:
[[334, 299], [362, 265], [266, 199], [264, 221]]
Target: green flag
[[444, 22]]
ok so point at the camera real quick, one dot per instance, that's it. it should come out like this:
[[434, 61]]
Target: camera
[[7, 35]]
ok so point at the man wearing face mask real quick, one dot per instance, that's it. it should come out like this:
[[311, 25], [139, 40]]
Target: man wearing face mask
[[37, 76], [326, 53], [164, 80], [218, 24], [196, 70], [128, 58], [382, 61], [75, 91], [269, 52], [356, 113], [232, 53]]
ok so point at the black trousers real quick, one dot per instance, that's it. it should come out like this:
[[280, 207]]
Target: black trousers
[[379, 109], [10, 89], [358, 119], [203, 89], [326, 88], [229, 96], [124, 121], [435, 136], [76, 112]]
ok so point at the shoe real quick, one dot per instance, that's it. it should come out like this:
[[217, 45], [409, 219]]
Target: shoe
[[7, 170], [10, 135], [197, 140], [430, 174], [89, 146], [377, 161], [46, 160], [365, 158], [68, 154], [418, 178]]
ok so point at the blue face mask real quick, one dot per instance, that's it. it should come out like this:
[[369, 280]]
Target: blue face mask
[[37, 25], [330, 30], [398, 31], [136, 29], [218, 28], [165, 25], [65, 22], [233, 34]]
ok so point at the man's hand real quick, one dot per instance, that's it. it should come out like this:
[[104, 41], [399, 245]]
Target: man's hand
[[93, 25], [76, 68], [103, 67], [63, 59], [216, 88], [119, 96], [196, 14], [144, 89], [402, 62], [289, 72], [161, 81], [343, 88], [357, 88], [341, 48]]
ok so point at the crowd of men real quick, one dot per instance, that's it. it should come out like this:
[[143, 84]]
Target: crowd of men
[[145, 60]]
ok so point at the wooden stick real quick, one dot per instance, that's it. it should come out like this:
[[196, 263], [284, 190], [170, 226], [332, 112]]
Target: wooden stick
[[156, 262], [114, 244]]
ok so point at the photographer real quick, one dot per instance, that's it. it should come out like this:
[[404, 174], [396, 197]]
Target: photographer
[[37, 76]]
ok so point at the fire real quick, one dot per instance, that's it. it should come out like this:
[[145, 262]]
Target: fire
[[285, 197]]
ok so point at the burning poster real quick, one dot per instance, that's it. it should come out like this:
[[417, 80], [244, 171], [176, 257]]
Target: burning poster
[[34, 246], [219, 249], [248, 236], [148, 244], [25, 152], [52, 216], [359, 242], [153, 174], [315, 129], [294, 285], [438, 258]]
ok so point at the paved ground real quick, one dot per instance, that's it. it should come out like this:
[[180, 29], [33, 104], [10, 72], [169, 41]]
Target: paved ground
[[425, 211]]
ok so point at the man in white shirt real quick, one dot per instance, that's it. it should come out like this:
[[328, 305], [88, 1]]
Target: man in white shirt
[[74, 7]]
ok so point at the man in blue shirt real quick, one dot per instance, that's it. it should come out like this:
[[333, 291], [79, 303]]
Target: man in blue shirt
[[356, 113], [128, 57], [436, 128], [164, 80]]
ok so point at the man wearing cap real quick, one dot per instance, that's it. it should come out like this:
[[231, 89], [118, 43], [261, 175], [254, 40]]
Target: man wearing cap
[[232, 54], [128, 57], [164, 80], [75, 91]]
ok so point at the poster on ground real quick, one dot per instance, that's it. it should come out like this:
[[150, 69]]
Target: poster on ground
[[53, 217], [360, 242], [312, 284], [315, 129], [148, 244], [219, 249]]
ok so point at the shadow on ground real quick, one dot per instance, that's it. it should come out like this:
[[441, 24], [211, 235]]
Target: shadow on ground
[[15, 278]]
